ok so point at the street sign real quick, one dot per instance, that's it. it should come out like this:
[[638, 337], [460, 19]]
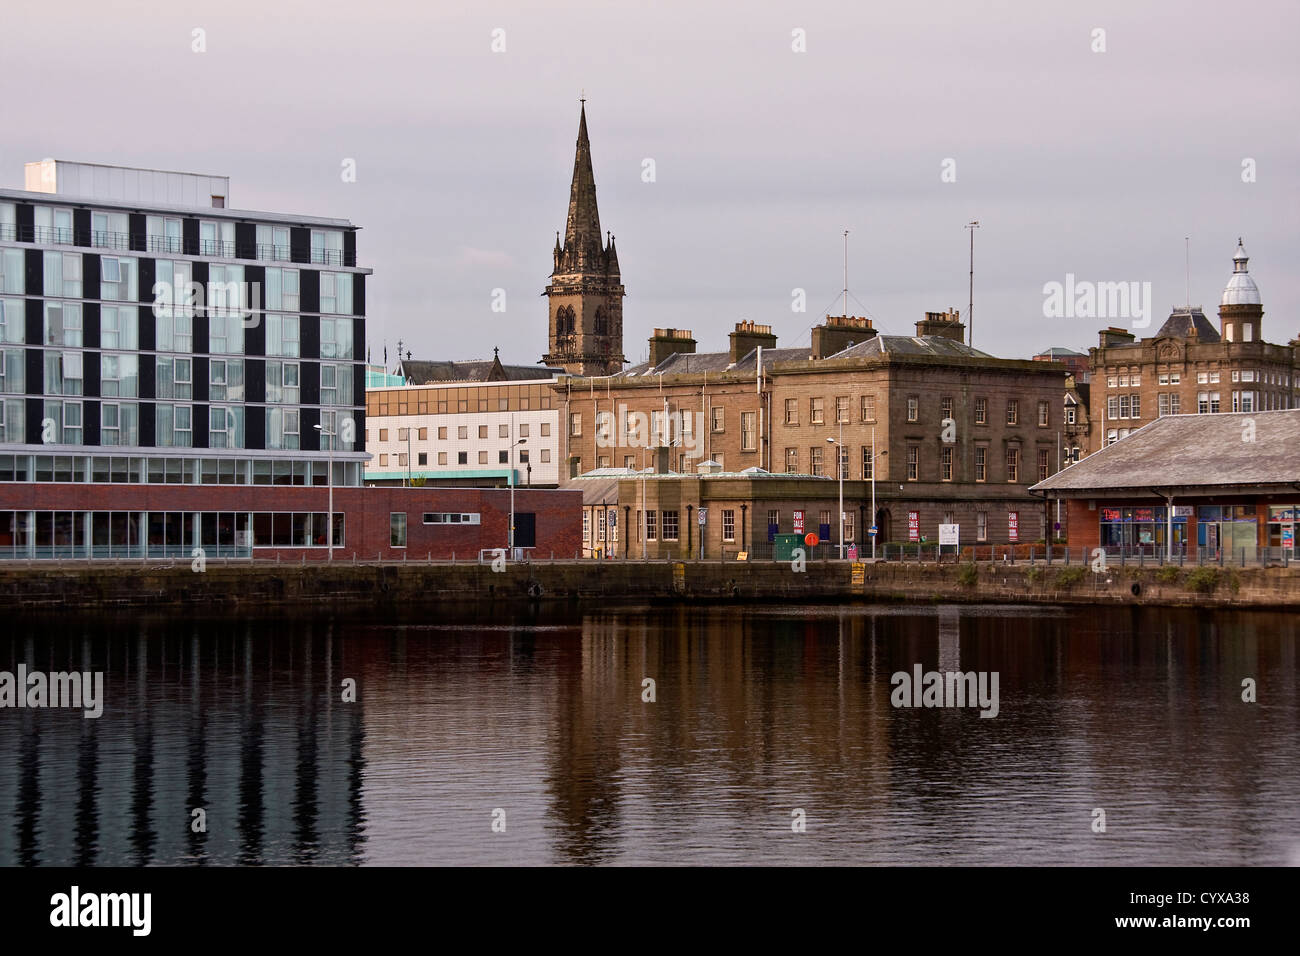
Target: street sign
[[949, 533], [873, 530], [703, 512]]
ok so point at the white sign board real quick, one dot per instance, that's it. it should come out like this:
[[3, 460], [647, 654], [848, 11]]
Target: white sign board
[[949, 533], [703, 513]]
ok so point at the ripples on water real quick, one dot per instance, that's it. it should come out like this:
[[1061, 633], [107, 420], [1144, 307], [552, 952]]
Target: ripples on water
[[759, 711]]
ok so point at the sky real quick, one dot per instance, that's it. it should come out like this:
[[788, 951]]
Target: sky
[[772, 128]]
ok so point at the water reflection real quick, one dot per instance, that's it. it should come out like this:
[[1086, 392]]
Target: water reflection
[[757, 712]]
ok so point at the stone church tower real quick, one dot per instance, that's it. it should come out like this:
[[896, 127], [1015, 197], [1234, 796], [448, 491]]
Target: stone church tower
[[585, 294]]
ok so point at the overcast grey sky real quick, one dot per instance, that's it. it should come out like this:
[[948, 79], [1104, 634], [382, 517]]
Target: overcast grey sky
[[1074, 161]]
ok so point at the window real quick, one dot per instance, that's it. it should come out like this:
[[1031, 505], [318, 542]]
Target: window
[[1214, 403], [335, 338], [792, 411], [945, 407], [226, 426], [1173, 404], [575, 424], [1124, 406], [336, 386], [174, 425], [816, 413], [1044, 414], [63, 274], [119, 375], [483, 458], [792, 461], [13, 368], [67, 421], [225, 334], [282, 383], [109, 230], [164, 234], [442, 458], [815, 459], [868, 466], [12, 273], [719, 418], [1112, 407], [119, 327], [1044, 464], [327, 246], [748, 431], [523, 430], [503, 431], [1112, 436], [981, 463], [546, 456], [282, 335], [482, 431], [1013, 464], [462, 458], [841, 408], [1162, 405], [118, 279], [1214, 378], [12, 420], [1071, 416], [62, 323], [913, 408], [53, 225], [842, 458], [336, 293], [442, 432], [728, 525], [217, 238], [503, 457], [546, 429], [1175, 378], [462, 431], [1013, 411], [650, 531], [1136, 410], [397, 529], [981, 411], [282, 289], [273, 243], [282, 428], [981, 526], [63, 373], [670, 525], [913, 462], [226, 380], [118, 423], [226, 290], [945, 463], [868, 408]]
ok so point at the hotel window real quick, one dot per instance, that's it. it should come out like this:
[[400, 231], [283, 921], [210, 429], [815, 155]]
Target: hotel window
[[868, 408], [650, 532], [119, 327], [63, 373], [981, 411], [282, 293], [1044, 464], [118, 279], [945, 407], [816, 412], [226, 380], [1013, 464], [283, 335], [327, 247], [273, 243], [792, 411], [226, 291], [53, 225], [335, 338], [119, 375], [13, 367], [981, 463], [109, 230], [728, 525], [62, 324], [164, 234], [841, 408], [792, 461], [815, 459], [118, 424], [913, 408], [868, 466], [397, 529], [945, 463], [981, 526], [226, 426], [225, 334], [1044, 414], [748, 431], [67, 421], [336, 292], [575, 424], [217, 238], [282, 428], [174, 428], [12, 273], [913, 462], [1013, 412], [282, 381], [12, 420], [670, 525], [336, 386], [719, 417]]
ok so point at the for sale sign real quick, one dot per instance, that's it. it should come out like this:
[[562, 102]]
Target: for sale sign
[[914, 526], [798, 522], [1013, 525]]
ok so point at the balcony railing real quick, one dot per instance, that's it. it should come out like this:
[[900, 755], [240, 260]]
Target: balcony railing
[[167, 245]]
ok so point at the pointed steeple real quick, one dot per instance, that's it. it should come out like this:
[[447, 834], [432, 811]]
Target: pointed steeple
[[582, 243]]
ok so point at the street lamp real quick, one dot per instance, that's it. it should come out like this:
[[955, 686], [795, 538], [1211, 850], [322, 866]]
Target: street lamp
[[839, 469], [326, 433], [874, 458], [522, 441]]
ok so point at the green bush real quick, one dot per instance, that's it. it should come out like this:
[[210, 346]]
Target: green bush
[[1169, 574], [1203, 580], [1069, 577], [1035, 575], [1234, 582], [967, 575]]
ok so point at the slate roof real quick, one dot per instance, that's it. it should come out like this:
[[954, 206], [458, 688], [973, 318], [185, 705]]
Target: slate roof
[[910, 345], [1189, 451], [1180, 325], [486, 370]]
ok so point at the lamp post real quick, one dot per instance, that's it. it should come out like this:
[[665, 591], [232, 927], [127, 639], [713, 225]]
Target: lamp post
[[874, 458], [839, 470], [329, 436], [522, 441]]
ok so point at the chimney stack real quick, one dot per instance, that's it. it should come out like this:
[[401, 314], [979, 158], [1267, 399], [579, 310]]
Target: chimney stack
[[748, 337], [666, 342], [943, 324], [839, 333]]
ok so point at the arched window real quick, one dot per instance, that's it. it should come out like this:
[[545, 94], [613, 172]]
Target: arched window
[[601, 324]]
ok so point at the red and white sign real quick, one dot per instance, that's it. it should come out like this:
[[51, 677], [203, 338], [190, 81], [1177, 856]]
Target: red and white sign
[[1013, 525], [914, 526], [798, 522]]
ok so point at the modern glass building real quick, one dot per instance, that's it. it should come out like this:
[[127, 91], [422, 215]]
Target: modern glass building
[[154, 340]]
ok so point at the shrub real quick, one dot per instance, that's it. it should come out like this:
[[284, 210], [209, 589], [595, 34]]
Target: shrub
[[1234, 582], [967, 575], [1169, 574], [1069, 577], [1035, 575], [1203, 580]]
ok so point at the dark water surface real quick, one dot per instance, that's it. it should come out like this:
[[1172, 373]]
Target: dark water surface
[[759, 712]]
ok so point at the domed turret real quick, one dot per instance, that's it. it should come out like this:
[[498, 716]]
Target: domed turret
[[1241, 309]]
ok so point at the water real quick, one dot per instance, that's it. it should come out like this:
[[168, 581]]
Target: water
[[759, 712]]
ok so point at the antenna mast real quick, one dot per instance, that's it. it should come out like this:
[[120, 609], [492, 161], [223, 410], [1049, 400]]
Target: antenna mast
[[970, 305], [846, 273]]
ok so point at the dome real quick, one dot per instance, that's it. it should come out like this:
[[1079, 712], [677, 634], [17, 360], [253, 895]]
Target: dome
[[1241, 288]]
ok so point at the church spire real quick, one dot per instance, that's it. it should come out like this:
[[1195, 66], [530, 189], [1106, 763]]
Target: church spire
[[582, 231]]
